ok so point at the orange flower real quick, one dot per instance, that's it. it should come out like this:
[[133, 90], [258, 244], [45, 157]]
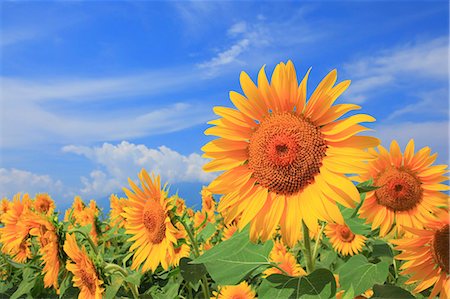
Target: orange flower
[[44, 204], [285, 260], [344, 240], [117, 206], [240, 291]]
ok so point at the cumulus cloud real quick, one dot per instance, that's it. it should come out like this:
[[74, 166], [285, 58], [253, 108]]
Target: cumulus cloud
[[117, 163], [14, 180], [401, 65]]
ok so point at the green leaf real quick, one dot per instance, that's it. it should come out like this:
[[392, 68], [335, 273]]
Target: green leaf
[[381, 248], [230, 261], [319, 284], [326, 258], [24, 288], [134, 278], [361, 274], [207, 232], [191, 272], [111, 290], [65, 284], [365, 189], [390, 291], [356, 224]]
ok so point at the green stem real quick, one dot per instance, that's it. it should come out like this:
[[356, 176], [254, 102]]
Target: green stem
[[115, 268], [307, 252], [317, 245], [197, 254], [94, 247]]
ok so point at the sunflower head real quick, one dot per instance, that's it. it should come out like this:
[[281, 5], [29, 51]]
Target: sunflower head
[[426, 252], [147, 221], [208, 203], [410, 188], [240, 291], [282, 154], [44, 204], [343, 239], [117, 205]]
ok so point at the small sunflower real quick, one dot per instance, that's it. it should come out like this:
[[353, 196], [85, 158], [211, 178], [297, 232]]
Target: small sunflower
[[117, 205], [229, 231], [4, 207], [44, 204], [285, 260], [284, 158], [21, 253], [410, 188], [147, 220], [85, 275], [208, 203], [344, 240], [240, 291], [426, 254]]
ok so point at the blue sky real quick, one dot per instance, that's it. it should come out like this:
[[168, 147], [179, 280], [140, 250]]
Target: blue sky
[[91, 92]]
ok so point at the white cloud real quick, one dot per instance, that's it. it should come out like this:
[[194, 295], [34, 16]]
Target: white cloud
[[228, 56], [26, 116], [403, 65], [125, 160], [237, 28], [14, 180], [434, 134]]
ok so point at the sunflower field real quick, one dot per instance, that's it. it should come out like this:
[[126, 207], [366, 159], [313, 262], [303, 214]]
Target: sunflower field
[[303, 207]]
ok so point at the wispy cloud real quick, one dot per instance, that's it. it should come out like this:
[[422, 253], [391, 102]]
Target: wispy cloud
[[116, 163], [27, 119], [401, 65]]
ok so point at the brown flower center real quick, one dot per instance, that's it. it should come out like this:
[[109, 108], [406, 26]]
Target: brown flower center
[[345, 234], [400, 189], [440, 248], [88, 281], [154, 221], [286, 152]]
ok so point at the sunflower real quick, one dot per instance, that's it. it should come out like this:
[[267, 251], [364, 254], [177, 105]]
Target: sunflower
[[426, 253], [208, 203], [45, 231], [410, 188], [147, 220], [344, 240], [229, 231], [77, 207], [85, 275], [44, 204], [117, 206], [285, 260], [240, 291], [285, 160], [15, 231], [4, 207], [22, 253]]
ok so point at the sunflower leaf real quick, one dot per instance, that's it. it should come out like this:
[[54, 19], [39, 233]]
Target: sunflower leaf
[[361, 274], [390, 291], [191, 272], [230, 261], [319, 284]]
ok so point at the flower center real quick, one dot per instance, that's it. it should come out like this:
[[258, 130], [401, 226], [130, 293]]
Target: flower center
[[153, 219], [88, 281], [400, 189], [345, 234], [286, 152], [440, 247]]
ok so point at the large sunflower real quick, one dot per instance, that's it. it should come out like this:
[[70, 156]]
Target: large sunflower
[[427, 256], [343, 239], [410, 188], [147, 220], [85, 275], [285, 158]]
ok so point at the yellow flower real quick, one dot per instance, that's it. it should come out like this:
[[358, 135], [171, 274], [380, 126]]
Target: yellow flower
[[77, 207], [44, 204], [426, 254], [208, 203], [285, 260], [21, 253], [410, 188], [148, 221], [179, 204], [285, 159], [344, 240], [240, 291], [179, 252], [45, 231], [4, 207], [15, 231], [85, 276], [117, 206]]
